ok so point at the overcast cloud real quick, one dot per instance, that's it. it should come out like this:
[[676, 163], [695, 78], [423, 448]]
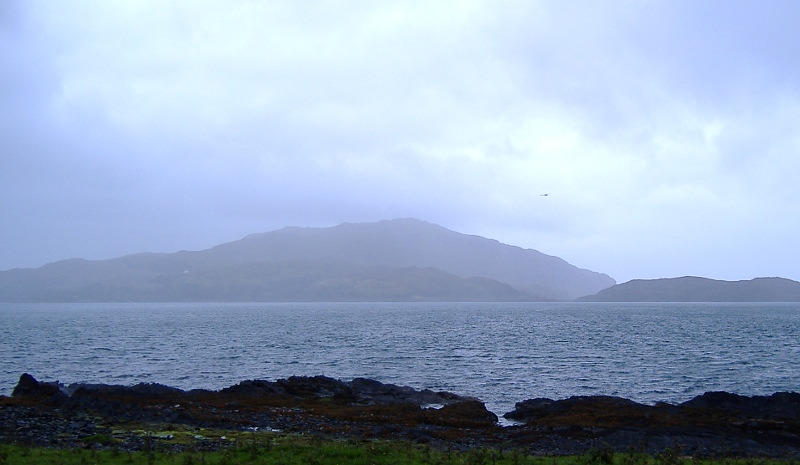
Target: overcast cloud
[[666, 133]]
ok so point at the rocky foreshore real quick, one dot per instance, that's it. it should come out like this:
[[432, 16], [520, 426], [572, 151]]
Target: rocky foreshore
[[99, 415]]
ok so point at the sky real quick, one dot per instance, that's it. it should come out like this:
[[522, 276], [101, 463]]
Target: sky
[[665, 133]]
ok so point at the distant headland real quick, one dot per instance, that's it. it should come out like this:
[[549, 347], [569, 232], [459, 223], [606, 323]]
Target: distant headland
[[401, 260], [694, 289]]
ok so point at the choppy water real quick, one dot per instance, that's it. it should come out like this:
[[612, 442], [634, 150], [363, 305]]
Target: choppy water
[[501, 353]]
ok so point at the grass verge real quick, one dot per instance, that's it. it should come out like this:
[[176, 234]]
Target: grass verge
[[308, 450]]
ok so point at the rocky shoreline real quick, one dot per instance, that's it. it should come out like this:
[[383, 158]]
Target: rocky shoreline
[[130, 417]]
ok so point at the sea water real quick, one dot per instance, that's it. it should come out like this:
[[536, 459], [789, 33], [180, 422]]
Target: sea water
[[501, 353]]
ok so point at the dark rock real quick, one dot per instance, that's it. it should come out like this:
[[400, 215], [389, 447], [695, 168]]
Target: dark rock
[[466, 414], [371, 391], [360, 391], [781, 405], [299, 387], [530, 410], [709, 424], [712, 424], [29, 387], [26, 386], [139, 390], [251, 389], [313, 386], [592, 411]]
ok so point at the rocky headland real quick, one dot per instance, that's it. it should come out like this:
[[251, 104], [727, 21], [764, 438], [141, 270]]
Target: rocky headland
[[99, 415], [696, 289]]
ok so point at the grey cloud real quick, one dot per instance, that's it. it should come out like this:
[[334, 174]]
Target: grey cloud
[[163, 126]]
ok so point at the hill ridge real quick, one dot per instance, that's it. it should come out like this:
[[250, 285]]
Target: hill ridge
[[415, 260], [699, 289]]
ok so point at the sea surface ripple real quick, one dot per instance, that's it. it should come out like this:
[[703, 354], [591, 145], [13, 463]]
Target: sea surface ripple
[[501, 353]]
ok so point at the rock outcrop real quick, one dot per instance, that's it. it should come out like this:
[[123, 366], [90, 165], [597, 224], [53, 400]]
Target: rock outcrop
[[252, 403], [713, 424], [47, 393]]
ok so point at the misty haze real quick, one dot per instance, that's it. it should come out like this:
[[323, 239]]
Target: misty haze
[[434, 232]]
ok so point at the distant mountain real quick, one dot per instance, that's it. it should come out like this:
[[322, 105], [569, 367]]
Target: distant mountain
[[395, 260], [694, 289]]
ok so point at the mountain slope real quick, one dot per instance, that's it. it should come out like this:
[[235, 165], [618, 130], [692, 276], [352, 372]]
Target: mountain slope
[[694, 289], [388, 260], [410, 242]]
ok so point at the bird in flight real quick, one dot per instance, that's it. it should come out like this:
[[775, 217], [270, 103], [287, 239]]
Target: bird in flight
[[544, 195]]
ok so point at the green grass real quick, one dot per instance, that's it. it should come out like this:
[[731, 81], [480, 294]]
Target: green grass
[[290, 450]]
